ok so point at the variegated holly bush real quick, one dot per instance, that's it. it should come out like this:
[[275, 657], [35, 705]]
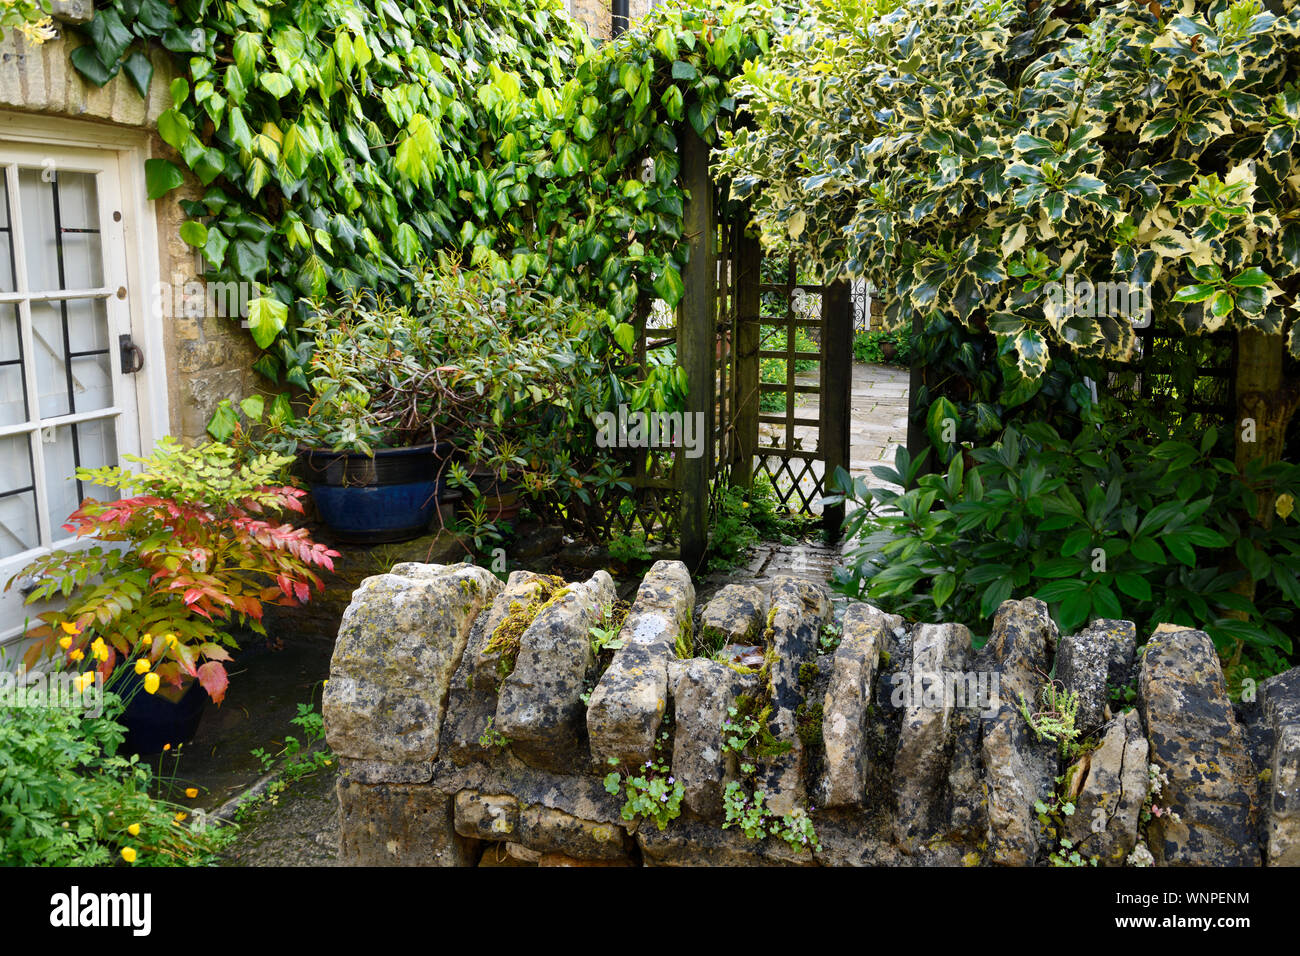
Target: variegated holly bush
[[963, 156]]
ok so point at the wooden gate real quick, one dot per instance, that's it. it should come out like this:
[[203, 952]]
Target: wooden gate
[[731, 332]]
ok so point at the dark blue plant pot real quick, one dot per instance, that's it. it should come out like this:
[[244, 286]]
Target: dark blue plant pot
[[152, 721], [390, 497]]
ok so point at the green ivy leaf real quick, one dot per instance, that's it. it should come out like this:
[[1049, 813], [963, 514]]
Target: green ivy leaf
[[669, 285], [161, 176], [214, 249], [194, 233], [247, 49], [625, 336], [139, 69], [224, 421], [88, 63], [266, 318]]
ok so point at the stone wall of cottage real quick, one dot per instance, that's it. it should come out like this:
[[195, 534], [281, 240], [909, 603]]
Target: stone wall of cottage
[[903, 743], [207, 357]]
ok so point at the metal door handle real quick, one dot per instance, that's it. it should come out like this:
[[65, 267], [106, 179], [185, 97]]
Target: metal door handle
[[132, 356]]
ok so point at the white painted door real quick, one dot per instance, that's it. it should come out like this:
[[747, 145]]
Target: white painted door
[[64, 399]]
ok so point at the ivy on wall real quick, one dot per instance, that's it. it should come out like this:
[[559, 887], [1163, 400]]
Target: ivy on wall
[[341, 142]]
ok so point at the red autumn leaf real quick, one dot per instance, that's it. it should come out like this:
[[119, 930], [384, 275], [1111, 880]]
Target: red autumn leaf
[[212, 676]]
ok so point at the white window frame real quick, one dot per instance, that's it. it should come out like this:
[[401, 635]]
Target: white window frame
[[125, 151]]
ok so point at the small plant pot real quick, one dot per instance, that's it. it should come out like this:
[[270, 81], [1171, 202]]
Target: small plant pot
[[501, 499], [153, 721], [390, 497], [449, 502], [503, 506]]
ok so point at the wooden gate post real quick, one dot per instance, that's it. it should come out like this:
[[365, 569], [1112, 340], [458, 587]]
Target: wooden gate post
[[749, 259], [836, 402], [696, 331], [918, 441]]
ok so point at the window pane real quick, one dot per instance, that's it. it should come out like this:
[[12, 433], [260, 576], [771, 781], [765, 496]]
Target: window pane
[[61, 230], [13, 400], [92, 368], [88, 445], [97, 445], [6, 240], [18, 531], [82, 382]]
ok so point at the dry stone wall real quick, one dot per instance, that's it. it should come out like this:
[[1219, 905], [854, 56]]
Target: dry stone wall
[[476, 721]]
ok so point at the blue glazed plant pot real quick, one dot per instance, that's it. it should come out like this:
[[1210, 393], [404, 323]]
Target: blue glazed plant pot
[[390, 497], [152, 721]]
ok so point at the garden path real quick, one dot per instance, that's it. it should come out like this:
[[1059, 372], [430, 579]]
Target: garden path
[[879, 426]]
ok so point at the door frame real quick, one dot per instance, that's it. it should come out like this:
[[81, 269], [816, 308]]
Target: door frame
[[127, 151]]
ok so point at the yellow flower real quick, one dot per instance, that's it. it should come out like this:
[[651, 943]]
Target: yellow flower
[[191, 792], [147, 640], [99, 649], [82, 681], [169, 640], [151, 682], [70, 629], [76, 655], [142, 666], [179, 817], [167, 746], [128, 854], [1285, 505], [65, 642], [133, 829]]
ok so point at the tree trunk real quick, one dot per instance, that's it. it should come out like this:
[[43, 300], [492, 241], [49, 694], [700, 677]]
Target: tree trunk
[[1265, 404]]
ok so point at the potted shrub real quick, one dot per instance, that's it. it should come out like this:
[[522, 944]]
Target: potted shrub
[[196, 548], [412, 403], [371, 444]]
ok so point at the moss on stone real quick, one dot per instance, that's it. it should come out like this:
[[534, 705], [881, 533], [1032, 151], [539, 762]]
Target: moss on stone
[[808, 722], [508, 635], [685, 644]]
